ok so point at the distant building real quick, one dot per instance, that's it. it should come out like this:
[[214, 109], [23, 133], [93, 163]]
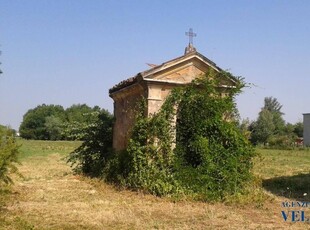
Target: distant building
[[306, 129]]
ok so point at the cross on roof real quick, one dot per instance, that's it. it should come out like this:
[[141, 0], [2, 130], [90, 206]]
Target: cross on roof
[[190, 35]]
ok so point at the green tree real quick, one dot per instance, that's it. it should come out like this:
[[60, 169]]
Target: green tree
[[271, 104], [8, 155], [263, 128], [244, 126], [91, 157], [78, 118], [289, 128], [80, 113], [299, 129], [54, 127], [274, 107], [269, 123], [34, 121], [52, 122]]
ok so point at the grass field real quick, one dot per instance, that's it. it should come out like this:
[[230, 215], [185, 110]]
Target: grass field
[[285, 172], [50, 196]]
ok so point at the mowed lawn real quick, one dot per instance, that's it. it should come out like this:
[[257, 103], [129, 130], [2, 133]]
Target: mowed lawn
[[50, 196]]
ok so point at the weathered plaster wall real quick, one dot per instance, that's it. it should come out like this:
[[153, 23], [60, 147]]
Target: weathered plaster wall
[[124, 111], [184, 73], [166, 81], [155, 99]]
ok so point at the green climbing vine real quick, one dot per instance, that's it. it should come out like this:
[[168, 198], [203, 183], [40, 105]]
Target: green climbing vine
[[192, 147], [207, 157]]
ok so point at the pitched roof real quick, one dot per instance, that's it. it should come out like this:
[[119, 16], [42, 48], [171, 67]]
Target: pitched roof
[[148, 73]]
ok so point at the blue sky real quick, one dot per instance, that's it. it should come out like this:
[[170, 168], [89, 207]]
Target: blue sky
[[72, 51]]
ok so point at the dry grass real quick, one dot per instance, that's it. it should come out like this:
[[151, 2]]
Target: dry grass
[[276, 163], [51, 197]]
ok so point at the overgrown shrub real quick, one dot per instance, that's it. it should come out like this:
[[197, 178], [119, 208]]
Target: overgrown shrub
[[91, 157], [214, 156], [147, 163], [211, 159], [8, 155], [280, 141]]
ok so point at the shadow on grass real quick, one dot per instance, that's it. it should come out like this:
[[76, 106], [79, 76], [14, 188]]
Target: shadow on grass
[[293, 187]]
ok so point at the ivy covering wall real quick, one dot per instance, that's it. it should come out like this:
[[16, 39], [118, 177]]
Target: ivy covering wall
[[191, 147]]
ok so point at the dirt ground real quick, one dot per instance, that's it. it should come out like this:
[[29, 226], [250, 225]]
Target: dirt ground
[[51, 197]]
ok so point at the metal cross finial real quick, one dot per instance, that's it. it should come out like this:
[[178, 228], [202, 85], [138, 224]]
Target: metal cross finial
[[190, 35]]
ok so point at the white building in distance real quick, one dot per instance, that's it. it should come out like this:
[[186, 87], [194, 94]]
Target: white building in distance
[[306, 129]]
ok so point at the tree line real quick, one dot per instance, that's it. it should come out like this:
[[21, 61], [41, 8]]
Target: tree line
[[53, 122], [270, 128]]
